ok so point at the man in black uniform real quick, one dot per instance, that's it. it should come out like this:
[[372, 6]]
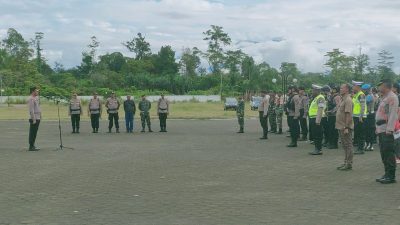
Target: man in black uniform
[[332, 132]]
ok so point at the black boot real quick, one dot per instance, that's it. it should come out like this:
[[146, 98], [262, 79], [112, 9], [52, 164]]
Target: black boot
[[77, 130], [73, 130], [109, 130], [117, 130], [97, 130], [94, 130], [241, 131]]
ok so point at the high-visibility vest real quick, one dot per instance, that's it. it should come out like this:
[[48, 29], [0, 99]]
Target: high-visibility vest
[[357, 105], [313, 110]]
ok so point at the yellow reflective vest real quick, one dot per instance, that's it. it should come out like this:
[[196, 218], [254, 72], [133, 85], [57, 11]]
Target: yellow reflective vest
[[313, 110], [357, 105]]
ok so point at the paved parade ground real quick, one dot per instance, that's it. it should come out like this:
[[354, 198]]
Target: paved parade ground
[[201, 172]]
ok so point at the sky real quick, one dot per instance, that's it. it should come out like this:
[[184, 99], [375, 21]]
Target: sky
[[274, 31]]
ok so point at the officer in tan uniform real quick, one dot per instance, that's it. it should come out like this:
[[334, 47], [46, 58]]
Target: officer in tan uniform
[[94, 112], [35, 116], [294, 115], [163, 112], [75, 112], [112, 105]]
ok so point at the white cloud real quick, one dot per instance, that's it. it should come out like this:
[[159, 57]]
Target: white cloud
[[271, 31]]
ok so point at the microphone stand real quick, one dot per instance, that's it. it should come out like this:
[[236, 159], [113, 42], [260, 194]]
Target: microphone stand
[[61, 147]]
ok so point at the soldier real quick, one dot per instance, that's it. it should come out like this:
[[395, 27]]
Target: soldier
[[386, 118], [272, 113], [370, 120], [345, 125], [35, 116], [94, 112], [359, 113], [130, 110], [279, 112], [112, 105], [316, 113], [333, 104], [294, 115], [75, 112], [263, 114], [240, 114], [303, 114], [144, 107], [163, 112]]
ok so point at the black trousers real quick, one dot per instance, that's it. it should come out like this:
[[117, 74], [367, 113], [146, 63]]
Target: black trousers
[[304, 127], [75, 119], [386, 145], [359, 133], [163, 120], [94, 119], [33, 129], [332, 133], [317, 132], [294, 129], [311, 134], [370, 136], [113, 118], [263, 123]]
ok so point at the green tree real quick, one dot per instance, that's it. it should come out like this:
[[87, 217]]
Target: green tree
[[37, 45], [215, 54], [189, 62], [385, 64], [139, 46], [164, 61], [341, 65]]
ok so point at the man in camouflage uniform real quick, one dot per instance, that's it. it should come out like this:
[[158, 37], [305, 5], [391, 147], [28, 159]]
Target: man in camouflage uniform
[[240, 114], [272, 113], [279, 112], [144, 107]]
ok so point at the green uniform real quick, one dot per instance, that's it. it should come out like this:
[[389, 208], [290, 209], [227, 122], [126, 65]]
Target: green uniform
[[272, 115], [240, 114], [144, 107], [279, 115]]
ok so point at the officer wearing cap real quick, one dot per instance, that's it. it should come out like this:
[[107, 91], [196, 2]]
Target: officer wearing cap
[[359, 115], [163, 112], [75, 112], [294, 115], [94, 112], [316, 114], [370, 120], [144, 107], [333, 104], [112, 105], [35, 114]]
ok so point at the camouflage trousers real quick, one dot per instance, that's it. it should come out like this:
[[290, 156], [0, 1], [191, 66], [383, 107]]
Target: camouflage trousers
[[145, 118], [241, 121], [279, 120], [272, 121]]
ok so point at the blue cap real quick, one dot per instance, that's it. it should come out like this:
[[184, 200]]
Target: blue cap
[[366, 86]]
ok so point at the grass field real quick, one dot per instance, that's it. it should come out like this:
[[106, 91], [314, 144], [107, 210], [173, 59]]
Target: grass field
[[181, 110]]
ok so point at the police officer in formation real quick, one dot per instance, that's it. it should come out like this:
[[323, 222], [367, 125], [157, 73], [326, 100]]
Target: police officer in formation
[[144, 107], [112, 105], [316, 114], [130, 110], [333, 103], [370, 120], [303, 114], [163, 111], [94, 112], [75, 111], [359, 115], [293, 107], [240, 114]]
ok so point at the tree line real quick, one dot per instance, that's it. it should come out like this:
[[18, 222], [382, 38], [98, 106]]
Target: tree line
[[228, 71]]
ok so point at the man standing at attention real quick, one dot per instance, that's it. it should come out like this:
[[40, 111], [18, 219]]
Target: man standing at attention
[[130, 110], [359, 114], [144, 107], [386, 118], [294, 115], [35, 116], [316, 113], [75, 111], [94, 111], [112, 105], [263, 114], [240, 114], [163, 112], [345, 125]]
